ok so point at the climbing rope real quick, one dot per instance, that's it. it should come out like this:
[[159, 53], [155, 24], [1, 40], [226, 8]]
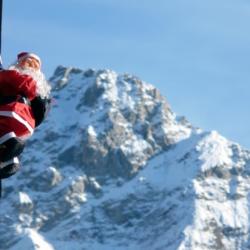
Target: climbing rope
[[1, 14], [1, 62]]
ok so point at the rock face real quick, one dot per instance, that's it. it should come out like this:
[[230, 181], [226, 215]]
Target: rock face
[[114, 168]]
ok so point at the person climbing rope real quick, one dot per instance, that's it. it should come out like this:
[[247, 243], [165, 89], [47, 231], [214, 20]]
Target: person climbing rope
[[24, 103]]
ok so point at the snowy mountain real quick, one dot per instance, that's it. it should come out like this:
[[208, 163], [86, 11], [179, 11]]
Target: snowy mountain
[[114, 168]]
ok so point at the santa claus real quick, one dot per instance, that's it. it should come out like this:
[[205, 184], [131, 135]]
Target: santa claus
[[24, 101]]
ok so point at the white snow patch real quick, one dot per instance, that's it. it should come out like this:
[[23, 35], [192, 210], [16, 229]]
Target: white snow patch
[[142, 179], [65, 78], [95, 183], [215, 151], [32, 240], [108, 81], [91, 131], [24, 198]]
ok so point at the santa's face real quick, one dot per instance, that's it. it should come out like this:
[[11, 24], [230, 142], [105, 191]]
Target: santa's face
[[29, 63]]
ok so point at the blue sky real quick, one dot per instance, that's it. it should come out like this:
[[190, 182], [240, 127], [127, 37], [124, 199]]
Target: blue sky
[[196, 52]]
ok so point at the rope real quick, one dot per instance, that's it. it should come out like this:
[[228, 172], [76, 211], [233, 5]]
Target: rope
[[1, 17], [1, 62], [1, 13]]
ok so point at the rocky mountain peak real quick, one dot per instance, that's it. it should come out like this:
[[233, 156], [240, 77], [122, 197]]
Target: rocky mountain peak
[[129, 119]]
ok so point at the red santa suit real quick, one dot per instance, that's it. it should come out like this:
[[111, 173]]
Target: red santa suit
[[16, 118]]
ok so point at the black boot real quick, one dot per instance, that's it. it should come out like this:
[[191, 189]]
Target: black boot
[[11, 148], [9, 170]]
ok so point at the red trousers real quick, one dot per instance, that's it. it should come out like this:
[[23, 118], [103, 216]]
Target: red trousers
[[16, 120], [10, 124]]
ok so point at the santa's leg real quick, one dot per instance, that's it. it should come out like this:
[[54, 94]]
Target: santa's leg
[[9, 168], [10, 145]]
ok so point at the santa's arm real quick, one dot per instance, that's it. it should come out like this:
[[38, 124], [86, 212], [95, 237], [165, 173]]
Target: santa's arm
[[25, 84], [40, 107], [12, 83]]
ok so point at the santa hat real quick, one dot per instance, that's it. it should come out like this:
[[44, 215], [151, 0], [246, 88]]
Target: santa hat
[[24, 55]]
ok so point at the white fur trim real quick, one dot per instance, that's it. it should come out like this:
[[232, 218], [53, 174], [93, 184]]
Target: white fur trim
[[15, 160], [6, 137], [18, 118]]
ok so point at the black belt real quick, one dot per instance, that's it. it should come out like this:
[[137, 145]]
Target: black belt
[[9, 99]]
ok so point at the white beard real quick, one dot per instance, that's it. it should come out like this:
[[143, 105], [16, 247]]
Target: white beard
[[42, 86]]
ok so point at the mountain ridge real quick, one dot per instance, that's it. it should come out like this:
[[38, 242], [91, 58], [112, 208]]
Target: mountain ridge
[[113, 167]]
